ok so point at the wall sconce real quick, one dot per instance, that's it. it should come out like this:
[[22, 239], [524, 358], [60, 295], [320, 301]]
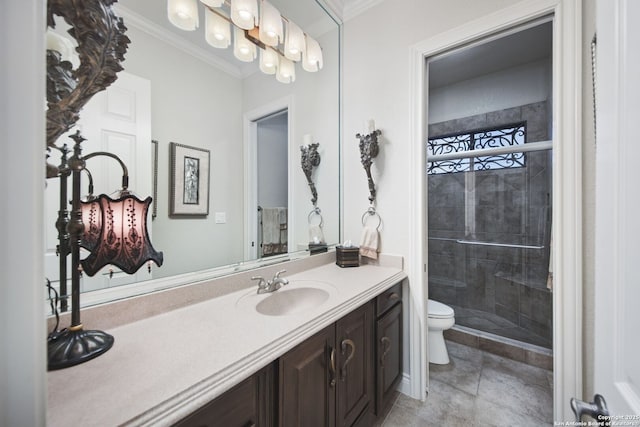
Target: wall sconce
[[112, 230], [253, 28]]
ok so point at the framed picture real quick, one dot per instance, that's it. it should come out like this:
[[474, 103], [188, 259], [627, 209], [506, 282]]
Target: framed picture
[[189, 180], [154, 178]]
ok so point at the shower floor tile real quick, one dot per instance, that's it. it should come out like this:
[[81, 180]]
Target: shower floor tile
[[478, 389]]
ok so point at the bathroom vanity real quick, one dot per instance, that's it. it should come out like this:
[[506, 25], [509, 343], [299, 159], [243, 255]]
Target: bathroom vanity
[[237, 359]]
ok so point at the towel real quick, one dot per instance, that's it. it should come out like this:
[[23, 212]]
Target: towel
[[369, 242], [315, 234]]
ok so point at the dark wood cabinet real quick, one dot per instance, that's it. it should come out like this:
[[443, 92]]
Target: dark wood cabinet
[[248, 404], [328, 380], [307, 382], [354, 346], [388, 347], [343, 376]]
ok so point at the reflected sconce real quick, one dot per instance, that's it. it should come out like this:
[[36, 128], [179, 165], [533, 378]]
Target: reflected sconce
[[268, 61], [312, 56], [183, 14], [244, 13], [286, 71], [256, 24], [243, 49], [217, 30], [294, 42]]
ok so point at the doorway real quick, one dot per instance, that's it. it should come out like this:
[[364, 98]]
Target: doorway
[[272, 171], [566, 186], [489, 186]]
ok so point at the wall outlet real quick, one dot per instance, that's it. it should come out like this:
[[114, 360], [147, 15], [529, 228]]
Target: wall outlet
[[221, 217]]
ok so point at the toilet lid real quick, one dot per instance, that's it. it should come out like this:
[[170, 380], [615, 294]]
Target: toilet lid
[[438, 310]]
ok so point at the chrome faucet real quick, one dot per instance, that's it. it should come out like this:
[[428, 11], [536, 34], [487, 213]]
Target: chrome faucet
[[272, 285]]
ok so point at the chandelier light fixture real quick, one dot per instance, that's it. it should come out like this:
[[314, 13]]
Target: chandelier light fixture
[[257, 26]]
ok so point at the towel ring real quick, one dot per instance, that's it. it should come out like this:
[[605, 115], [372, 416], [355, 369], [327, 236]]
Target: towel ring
[[371, 211], [317, 212]]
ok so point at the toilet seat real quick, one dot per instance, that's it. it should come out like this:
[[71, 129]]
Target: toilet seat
[[437, 310]]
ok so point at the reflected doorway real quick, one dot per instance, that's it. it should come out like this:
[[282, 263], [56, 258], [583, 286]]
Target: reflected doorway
[[272, 185]]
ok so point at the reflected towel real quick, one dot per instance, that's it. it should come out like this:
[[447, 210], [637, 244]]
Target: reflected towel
[[369, 242], [315, 234]]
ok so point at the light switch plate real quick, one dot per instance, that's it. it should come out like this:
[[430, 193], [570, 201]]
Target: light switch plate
[[221, 217]]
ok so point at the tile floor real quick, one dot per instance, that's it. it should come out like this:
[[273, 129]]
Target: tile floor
[[479, 389]]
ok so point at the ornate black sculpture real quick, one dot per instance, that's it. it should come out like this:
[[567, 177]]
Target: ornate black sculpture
[[310, 158], [102, 44], [368, 151]]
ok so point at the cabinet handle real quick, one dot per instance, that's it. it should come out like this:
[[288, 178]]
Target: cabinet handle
[[352, 345], [332, 367], [386, 348], [393, 296]]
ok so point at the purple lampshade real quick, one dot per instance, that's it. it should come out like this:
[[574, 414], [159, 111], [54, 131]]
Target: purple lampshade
[[124, 240], [92, 220]]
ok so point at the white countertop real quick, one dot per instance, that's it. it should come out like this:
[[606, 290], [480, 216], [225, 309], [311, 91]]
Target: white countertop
[[162, 368]]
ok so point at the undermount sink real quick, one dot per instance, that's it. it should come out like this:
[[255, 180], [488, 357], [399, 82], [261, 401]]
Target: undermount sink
[[296, 297]]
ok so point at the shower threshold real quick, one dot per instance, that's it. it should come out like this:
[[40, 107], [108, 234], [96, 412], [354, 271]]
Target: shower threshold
[[506, 347]]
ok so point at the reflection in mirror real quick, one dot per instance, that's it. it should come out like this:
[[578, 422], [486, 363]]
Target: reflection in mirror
[[177, 88]]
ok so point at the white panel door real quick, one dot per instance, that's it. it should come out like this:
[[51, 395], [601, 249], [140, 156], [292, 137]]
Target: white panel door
[[118, 121], [617, 341]]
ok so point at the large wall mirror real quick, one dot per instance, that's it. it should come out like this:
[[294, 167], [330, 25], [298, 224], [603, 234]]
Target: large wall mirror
[[178, 94]]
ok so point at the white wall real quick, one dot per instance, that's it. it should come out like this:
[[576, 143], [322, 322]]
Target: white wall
[[195, 104], [22, 325], [272, 161], [512, 87]]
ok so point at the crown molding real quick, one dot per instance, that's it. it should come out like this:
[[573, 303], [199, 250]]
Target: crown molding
[[334, 8], [139, 22], [353, 8]]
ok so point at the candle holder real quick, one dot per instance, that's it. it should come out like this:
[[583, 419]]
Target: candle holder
[[368, 151]]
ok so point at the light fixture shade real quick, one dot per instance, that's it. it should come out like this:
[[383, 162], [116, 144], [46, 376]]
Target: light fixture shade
[[294, 43], [217, 30], [92, 220], [124, 240], [183, 14], [244, 13], [212, 3], [270, 33], [312, 56], [268, 61], [286, 71], [243, 49]]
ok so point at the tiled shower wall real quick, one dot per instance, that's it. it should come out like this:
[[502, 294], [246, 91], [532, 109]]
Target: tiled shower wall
[[495, 289]]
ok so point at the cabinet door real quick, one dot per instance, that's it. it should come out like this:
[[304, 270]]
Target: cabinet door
[[388, 357], [248, 404], [307, 382], [354, 334]]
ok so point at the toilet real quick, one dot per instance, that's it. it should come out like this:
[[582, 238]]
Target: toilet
[[440, 318]]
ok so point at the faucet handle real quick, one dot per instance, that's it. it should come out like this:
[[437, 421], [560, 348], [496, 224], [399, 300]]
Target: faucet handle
[[277, 275]]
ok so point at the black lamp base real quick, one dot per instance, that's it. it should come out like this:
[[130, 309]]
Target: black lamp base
[[75, 345]]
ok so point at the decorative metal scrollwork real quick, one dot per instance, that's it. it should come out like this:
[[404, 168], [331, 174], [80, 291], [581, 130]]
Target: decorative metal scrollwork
[[102, 44], [309, 159], [459, 143], [368, 151]]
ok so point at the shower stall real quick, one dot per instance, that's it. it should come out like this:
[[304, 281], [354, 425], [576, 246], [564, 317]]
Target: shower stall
[[489, 222]]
